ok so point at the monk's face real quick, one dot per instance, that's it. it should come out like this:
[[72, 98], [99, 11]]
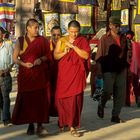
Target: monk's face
[[73, 32], [33, 29], [55, 35]]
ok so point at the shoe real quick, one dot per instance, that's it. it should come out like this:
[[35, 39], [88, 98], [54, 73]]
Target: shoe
[[7, 123], [75, 133], [100, 111], [116, 119], [41, 131], [31, 129]]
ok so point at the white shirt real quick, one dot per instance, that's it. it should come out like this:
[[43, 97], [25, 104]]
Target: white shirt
[[6, 52]]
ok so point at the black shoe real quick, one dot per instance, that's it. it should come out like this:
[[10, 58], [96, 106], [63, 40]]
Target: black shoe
[[116, 119], [31, 129], [7, 123], [100, 111]]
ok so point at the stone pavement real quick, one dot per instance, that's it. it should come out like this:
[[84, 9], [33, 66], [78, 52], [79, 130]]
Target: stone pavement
[[92, 127]]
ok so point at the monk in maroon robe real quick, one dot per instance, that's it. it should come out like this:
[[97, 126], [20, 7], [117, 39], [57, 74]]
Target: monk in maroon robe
[[32, 54], [135, 70], [55, 35], [72, 52]]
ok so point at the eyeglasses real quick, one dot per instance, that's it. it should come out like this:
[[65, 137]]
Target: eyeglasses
[[56, 35]]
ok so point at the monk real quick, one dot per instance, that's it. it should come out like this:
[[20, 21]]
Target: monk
[[32, 54], [55, 36], [72, 51]]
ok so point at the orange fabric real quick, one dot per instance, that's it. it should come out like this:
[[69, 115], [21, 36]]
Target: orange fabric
[[25, 45]]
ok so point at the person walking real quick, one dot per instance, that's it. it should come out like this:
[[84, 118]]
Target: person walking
[[73, 53], [6, 63], [33, 56], [55, 36], [113, 73]]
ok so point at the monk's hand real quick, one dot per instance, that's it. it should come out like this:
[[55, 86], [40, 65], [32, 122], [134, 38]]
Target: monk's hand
[[28, 65], [37, 62], [70, 45], [67, 49]]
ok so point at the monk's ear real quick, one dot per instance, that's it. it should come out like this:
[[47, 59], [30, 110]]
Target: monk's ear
[[28, 27]]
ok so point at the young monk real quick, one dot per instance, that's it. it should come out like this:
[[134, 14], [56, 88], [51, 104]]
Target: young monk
[[72, 52], [55, 36]]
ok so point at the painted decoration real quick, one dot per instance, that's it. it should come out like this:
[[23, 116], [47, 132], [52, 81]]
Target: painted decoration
[[116, 5], [139, 7], [64, 20], [137, 32], [84, 15], [124, 16], [51, 20]]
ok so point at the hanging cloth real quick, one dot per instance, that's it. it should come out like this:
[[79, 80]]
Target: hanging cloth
[[65, 6], [49, 5]]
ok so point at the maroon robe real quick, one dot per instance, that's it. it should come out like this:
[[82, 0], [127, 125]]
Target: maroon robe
[[71, 82], [53, 78], [135, 70], [33, 97]]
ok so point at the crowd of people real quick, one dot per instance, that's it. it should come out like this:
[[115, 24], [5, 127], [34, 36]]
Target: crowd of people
[[52, 75]]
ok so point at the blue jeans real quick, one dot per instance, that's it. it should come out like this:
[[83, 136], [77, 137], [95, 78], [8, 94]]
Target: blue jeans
[[6, 87]]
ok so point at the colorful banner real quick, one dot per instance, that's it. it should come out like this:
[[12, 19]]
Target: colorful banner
[[7, 11]]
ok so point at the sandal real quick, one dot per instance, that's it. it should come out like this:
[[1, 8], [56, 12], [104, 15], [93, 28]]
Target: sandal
[[75, 133]]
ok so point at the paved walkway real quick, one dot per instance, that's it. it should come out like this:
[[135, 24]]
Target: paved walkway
[[92, 127]]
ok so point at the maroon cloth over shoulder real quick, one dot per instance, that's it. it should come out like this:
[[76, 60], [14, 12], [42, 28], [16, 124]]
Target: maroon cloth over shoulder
[[72, 71]]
